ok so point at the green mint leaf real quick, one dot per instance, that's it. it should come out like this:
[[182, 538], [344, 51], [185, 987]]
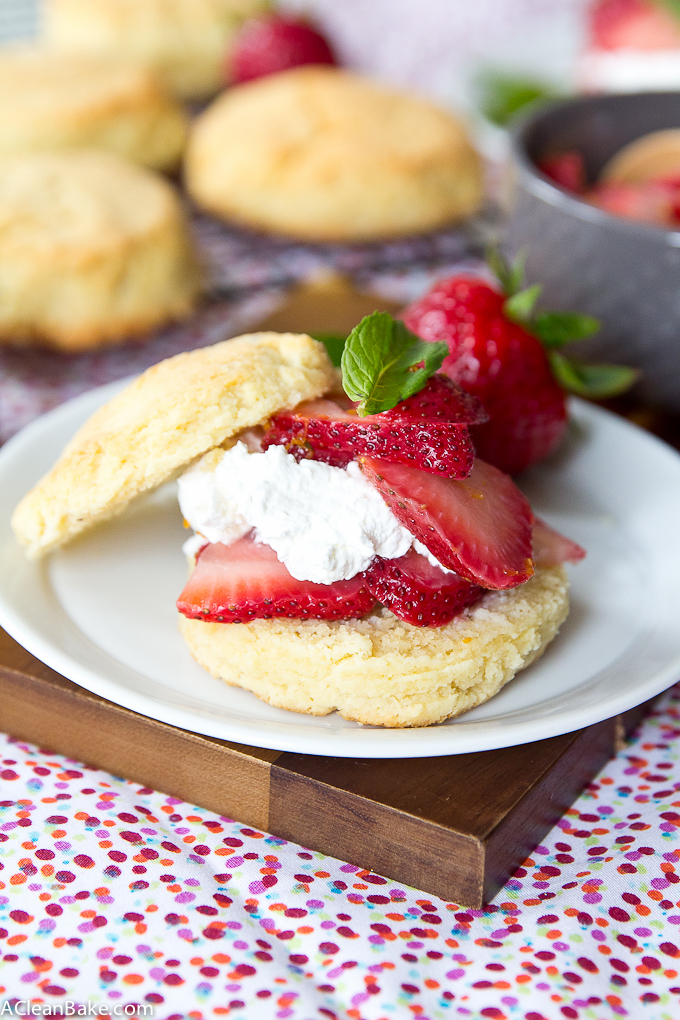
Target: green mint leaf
[[593, 381], [510, 275], [501, 96], [383, 363], [520, 306], [334, 345], [554, 329]]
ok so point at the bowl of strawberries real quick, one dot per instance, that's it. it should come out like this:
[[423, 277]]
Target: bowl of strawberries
[[596, 211]]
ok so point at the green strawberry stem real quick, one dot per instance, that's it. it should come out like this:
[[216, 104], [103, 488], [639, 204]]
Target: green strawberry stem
[[555, 329], [672, 6]]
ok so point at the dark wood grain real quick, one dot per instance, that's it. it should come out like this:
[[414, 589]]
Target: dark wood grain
[[39, 705], [454, 826]]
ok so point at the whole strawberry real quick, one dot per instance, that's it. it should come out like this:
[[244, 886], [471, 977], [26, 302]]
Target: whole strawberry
[[634, 25], [271, 44], [506, 355]]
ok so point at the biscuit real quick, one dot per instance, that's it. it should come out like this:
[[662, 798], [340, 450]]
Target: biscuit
[[322, 154], [172, 414], [655, 155], [185, 41], [51, 100], [93, 250], [380, 671]]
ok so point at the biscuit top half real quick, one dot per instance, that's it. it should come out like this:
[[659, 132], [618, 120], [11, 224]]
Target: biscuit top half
[[173, 413]]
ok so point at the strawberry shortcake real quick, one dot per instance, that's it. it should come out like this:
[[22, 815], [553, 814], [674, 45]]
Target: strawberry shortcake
[[349, 552]]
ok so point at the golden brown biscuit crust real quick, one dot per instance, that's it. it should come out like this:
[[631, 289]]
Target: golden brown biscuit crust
[[325, 155], [655, 155], [51, 100], [172, 414], [185, 41], [383, 672], [93, 250]]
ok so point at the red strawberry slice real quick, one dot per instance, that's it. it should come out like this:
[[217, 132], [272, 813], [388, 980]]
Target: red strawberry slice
[[245, 581], [551, 548], [441, 399], [480, 526], [428, 431], [566, 169], [645, 201], [418, 592]]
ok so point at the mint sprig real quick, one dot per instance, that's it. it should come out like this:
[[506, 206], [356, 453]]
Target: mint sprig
[[554, 330], [383, 363]]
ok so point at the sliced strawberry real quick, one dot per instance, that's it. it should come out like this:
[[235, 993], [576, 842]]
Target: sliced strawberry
[[245, 581], [428, 431], [644, 201], [480, 526], [551, 548], [418, 592], [441, 399], [566, 169]]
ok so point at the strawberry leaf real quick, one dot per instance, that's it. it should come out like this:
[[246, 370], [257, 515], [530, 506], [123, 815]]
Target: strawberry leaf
[[509, 274], [520, 306], [334, 345], [554, 329], [672, 6], [593, 381], [383, 363]]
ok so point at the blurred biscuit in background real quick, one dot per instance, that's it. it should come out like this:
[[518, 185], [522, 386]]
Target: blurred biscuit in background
[[52, 100], [322, 154], [186, 41], [93, 250]]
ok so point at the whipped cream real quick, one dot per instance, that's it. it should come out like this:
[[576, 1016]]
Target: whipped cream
[[325, 523]]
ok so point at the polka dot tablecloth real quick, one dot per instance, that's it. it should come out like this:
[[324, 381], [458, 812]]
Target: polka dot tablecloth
[[112, 895]]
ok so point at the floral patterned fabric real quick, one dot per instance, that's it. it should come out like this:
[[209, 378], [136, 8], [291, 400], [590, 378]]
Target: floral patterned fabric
[[116, 895]]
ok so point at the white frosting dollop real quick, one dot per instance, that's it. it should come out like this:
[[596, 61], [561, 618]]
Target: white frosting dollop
[[325, 523]]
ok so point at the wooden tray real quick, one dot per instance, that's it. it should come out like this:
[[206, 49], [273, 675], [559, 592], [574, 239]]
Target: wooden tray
[[454, 826]]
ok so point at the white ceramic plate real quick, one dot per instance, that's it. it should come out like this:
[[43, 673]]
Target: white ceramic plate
[[101, 612]]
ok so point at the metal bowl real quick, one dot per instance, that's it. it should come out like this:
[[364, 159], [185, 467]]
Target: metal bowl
[[625, 273]]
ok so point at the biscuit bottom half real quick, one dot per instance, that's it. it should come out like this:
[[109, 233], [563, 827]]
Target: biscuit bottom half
[[380, 671]]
